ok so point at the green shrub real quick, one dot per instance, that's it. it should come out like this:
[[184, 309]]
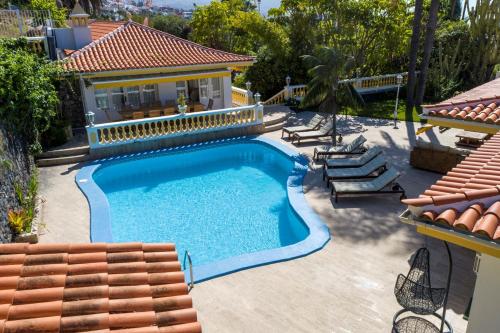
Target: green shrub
[[28, 94]]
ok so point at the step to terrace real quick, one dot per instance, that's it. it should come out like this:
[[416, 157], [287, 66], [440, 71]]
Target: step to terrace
[[63, 156]]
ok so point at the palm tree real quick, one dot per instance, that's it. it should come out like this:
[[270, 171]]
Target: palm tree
[[325, 69], [428, 45], [90, 6], [415, 37]]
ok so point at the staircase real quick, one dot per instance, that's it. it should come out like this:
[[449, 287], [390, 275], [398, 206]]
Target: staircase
[[63, 156], [275, 117]]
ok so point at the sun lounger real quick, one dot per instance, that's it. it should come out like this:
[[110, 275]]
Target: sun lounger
[[313, 124], [377, 164], [355, 147], [352, 162], [383, 184], [323, 132]]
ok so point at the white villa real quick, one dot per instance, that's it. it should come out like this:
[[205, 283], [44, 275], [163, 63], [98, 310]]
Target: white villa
[[130, 71]]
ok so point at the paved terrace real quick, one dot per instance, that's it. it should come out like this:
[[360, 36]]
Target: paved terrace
[[345, 287]]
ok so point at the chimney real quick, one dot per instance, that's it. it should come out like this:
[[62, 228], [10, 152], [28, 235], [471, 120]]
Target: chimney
[[80, 24]]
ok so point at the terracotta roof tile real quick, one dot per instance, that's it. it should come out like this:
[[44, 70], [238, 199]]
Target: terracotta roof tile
[[468, 197], [130, 287], [135, 46], [483, 93], [485, 113]]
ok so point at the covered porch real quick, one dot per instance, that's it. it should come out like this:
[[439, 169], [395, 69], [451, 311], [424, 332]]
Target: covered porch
[[133, 97]]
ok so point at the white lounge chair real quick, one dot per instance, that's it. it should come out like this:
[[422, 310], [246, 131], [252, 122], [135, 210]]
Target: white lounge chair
[[377, 164], [311, 125], [383, 184], [355, 147], [352, 162], [324, 131]]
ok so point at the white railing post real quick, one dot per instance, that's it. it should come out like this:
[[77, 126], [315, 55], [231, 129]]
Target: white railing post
[[92, 136], [259, 109], [249, 97]]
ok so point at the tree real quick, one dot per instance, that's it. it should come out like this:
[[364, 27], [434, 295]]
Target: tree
[[326, 68], [90, 6], [173, 24], [415, 37], [58, 14], [428, 45], [484, 22], [28, 94]]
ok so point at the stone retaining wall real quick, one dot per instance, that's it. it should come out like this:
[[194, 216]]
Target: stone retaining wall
[[15, 167]]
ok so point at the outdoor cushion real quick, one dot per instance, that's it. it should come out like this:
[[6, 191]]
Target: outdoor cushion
[[313, 134], [312, 124], [364, 170], [354, 161], [353, 146], [372, 185]]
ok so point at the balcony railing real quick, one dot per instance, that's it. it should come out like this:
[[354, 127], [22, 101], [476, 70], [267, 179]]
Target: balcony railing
[[24, 23], [361, 84], [124, 132]]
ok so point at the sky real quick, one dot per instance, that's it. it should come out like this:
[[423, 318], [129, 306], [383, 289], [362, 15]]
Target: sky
[[187, 4]]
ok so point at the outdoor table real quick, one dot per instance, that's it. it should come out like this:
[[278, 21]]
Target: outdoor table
[[470, 139]]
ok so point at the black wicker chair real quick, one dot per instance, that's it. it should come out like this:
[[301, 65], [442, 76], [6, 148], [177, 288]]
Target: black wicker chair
[[415, 294]]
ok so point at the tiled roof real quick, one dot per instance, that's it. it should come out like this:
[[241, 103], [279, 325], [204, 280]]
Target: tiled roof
[[481, 112], [467, 197], [135, 46], [99, 29], [116, 288], [488, 91]]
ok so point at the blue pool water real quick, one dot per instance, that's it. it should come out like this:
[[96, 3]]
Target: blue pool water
[[217, 202]]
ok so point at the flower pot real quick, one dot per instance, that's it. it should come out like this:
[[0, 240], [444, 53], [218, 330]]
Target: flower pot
[[182, 109]]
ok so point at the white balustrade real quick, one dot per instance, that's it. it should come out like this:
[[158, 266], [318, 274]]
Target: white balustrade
[[147, 129], [239, 96]]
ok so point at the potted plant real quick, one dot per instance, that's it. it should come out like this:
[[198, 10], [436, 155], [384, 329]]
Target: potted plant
[[181, 104]]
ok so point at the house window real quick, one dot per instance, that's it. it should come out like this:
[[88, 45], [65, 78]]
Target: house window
[[180, 87], [216, 91], [133, 96], [101, 99], [203, 88], [118, 98], [149, 93]]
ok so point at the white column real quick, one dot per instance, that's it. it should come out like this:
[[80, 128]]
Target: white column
[[484, 316], [226, 92]]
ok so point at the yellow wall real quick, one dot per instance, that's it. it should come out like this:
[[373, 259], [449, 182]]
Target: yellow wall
[[466, 125], [143, 81]]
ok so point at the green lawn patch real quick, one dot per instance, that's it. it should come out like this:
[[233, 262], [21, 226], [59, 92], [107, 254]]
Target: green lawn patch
[[384, 110]]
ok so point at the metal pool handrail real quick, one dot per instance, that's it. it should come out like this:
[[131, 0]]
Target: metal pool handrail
[[191, 276]]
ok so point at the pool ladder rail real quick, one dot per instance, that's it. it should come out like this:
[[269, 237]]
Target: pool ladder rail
[[190, 262]]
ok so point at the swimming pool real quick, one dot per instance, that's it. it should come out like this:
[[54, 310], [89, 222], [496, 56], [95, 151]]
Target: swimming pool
[[232, 204]]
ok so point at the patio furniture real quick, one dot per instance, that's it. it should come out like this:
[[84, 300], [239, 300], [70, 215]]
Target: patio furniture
[[154, 113], [383, 184], [210, 105], [311, 125], [470, 139], [415, 294], [138, 115], [351, 162], [323, 132], [378, 164], [355, 147]]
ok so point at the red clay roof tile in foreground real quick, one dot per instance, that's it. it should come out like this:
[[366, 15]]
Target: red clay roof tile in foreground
[[119, 288], [136, 46], [468, 197]]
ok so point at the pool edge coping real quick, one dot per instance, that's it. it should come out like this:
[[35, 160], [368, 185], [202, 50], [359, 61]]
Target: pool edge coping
[[319, 233]]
